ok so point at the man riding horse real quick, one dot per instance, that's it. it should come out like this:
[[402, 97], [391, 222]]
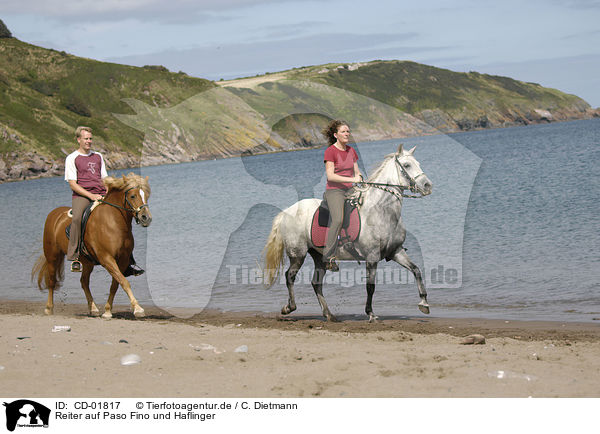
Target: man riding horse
[[84, 171]]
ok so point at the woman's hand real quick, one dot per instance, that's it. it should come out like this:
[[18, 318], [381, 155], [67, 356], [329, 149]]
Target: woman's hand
[[357, 175]]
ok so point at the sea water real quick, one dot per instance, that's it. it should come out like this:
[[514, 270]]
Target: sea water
[[510, 231]]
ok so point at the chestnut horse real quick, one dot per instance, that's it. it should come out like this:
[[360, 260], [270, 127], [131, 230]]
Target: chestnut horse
[[108, 239]]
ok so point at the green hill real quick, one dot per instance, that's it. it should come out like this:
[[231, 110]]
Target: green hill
[[45, 94], [152, 116], [447, 100]]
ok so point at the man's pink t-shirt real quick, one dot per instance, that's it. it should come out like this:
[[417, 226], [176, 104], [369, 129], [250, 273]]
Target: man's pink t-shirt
[[344, 165], [88, 170]]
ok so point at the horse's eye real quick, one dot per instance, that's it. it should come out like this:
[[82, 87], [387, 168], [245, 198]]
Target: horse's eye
[[407, 165]]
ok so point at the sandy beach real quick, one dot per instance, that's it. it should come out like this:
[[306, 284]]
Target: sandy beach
[[217, 354]]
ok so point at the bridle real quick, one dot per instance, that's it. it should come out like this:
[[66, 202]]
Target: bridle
[[412, 182], [397, 190], [127, 206]]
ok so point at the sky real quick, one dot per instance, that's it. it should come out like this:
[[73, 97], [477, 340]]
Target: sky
[[555, 43]]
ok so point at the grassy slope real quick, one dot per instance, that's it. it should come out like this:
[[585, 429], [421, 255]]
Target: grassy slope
[[37, 84], [414, 87], [276, 99], [45, 94], [448, 101]]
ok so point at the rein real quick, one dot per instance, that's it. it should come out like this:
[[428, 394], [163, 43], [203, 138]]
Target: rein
[[395, 192]]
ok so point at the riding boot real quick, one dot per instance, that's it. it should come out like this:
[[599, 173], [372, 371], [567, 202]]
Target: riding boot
[[133, 269]]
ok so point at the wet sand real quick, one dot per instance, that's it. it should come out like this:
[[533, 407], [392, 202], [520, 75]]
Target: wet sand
[[297, 356]]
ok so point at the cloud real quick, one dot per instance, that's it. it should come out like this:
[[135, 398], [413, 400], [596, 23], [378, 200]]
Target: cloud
[[582, 35], [285, 30], [580, 4], [243, 59], [171, 12]]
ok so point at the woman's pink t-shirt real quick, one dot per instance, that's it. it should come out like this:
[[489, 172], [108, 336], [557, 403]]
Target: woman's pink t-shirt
[[344, 165]]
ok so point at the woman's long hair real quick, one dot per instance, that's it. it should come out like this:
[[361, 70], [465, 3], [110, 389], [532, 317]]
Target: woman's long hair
[[332, 128]]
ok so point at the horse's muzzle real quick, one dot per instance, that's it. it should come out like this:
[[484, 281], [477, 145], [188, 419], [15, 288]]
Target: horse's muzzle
[[145, 218], [425, 186]]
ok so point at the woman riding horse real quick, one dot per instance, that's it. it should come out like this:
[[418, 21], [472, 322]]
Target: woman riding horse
[[341, 168], [381, 236]]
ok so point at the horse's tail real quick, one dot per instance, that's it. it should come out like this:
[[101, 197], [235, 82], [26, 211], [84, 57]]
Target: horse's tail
[[44, 275], [273, 251]]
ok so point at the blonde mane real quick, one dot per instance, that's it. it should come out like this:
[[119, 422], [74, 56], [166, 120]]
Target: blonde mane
[[126, 182]]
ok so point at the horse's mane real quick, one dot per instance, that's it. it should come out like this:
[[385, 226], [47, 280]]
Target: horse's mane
[[125, 182], [377, 172]]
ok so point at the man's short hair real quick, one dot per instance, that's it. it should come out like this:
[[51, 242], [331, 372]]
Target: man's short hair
[[80, 129]]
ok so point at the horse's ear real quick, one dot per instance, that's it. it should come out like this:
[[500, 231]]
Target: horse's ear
[[399, 151], [124, 178], [147, 178], [412, 151]]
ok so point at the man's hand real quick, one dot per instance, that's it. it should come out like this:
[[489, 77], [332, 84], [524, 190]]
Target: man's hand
[[83, 192]]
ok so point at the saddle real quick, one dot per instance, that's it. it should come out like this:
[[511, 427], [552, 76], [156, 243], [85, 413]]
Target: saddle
[[325, 217], [84, 219], [351, 224]]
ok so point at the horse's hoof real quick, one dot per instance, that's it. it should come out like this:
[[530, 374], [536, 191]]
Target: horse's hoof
[[138, 312], [424, 307], [94, 311], [332, 318], [107, 315], [285, 310], [48, 311], [373, 318]]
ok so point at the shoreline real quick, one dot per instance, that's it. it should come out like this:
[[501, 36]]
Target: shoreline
[[295, 149], [490, 327]]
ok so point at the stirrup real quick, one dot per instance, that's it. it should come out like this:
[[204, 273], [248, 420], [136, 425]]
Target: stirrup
[[76, 266], [133, 270], [331, 265]]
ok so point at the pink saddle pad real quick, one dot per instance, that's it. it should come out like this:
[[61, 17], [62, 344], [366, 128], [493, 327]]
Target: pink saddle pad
[[319, 233]]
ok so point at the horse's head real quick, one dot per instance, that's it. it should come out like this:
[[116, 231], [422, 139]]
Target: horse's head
[[409, 171], [136, 192], [136, 197]]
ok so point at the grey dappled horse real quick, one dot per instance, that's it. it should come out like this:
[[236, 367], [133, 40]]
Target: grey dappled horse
[[381, 237]]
